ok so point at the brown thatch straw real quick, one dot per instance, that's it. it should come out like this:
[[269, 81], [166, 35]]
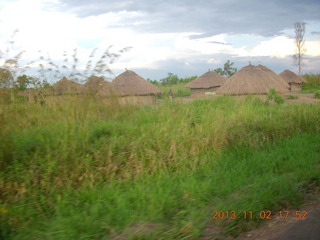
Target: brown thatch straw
[[129, 83], [252, 80], [291, 77], [94, 84], [208, 80], [274, 75], [65, 86]]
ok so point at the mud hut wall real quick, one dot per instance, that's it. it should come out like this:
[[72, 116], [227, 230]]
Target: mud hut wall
[[54, 99], [202, 91], [138, 100], [295, 86], [131, 100]]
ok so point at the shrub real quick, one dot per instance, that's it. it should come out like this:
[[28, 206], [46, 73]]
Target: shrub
[[273, 96], [317, 95], [292, 97]]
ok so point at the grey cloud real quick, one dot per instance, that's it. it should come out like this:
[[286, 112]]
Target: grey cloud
[[198, 65], [267, 18], [220, 43], [315, 33]]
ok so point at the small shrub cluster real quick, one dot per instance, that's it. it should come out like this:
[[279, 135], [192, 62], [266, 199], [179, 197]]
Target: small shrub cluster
[[292, 97], [273, 96]]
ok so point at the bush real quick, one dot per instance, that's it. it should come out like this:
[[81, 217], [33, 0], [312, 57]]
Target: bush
[[317, 95], [292, 97], [273, 96]]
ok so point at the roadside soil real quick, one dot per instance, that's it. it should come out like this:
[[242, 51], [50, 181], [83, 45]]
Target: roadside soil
[[290, 228], [302, 98]]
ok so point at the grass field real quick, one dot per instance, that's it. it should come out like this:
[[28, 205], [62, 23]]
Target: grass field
[[84, 170], [312, 84], [178, 90]]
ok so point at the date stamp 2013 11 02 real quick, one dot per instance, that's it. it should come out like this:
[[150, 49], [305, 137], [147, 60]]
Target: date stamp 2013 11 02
[[265, 214]]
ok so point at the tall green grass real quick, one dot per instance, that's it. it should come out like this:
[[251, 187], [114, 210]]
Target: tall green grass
[[178, 90], [312, 84], [84, 170]]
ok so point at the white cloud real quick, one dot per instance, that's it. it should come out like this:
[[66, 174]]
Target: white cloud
[[312, 48], [42, 27], [275, 47], [282, 47]]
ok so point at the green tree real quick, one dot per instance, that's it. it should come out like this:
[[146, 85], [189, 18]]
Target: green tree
[[220, 71], [171, 79], [188, 79], [155, 82], [227, 70], [22, 82], [6, 78]]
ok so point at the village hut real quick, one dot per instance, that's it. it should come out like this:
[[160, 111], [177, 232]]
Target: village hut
[[292, 79], [62, 91], [252, 80], [30, 95], [65, 87], [130, 88], [94, 84], [274, 76], [206, 84]]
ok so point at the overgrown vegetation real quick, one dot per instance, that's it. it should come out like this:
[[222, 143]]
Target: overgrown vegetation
[[274, 97], [292, 97], [178, 90], [86, 170], [312, 84]]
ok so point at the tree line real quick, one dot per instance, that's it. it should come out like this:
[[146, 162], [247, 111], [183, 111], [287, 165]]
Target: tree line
[[173, 79]]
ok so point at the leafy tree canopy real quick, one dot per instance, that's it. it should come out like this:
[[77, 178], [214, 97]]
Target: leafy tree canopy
[[227, 70]]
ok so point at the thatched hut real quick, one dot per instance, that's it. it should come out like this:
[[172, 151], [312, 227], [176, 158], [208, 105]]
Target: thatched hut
[[252, 80], [94, 84], [65, 87], [63, 91], [30, 95], [274, 76], [292, 79], [206, 83], [130, 88]]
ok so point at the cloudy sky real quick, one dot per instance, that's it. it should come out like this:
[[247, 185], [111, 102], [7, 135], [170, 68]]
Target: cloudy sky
[[185, 37]]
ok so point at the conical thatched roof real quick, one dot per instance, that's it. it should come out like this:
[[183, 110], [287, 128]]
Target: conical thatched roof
[[252, 80], [208, 80], [274, 75], [65, 86], [129, 83], [291, 77], [94, 83]]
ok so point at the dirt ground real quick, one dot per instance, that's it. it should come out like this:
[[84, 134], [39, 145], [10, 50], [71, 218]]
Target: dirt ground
[[285, 228], [302, 98], [290, 228]]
